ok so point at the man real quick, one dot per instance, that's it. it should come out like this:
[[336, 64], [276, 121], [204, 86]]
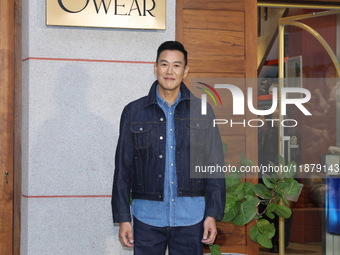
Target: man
[[162, 136]]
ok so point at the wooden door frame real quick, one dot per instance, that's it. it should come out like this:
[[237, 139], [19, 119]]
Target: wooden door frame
[[7, 27], [250, 72], [10, 108]]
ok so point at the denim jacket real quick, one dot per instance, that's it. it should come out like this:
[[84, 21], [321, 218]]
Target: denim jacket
[[140, 154]]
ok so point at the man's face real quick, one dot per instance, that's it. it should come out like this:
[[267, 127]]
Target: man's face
[[170, 69]]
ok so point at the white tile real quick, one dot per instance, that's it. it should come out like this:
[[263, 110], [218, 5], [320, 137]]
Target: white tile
[[71, 226], [74, 115], [71, 113], [24, 227]]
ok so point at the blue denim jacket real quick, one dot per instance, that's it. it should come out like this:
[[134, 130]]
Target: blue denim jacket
[[140, 154], [173, 211]]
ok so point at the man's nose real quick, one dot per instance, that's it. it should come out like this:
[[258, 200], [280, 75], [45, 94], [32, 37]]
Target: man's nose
[[169, 69]]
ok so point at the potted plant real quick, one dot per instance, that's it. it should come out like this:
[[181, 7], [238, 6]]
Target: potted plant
[[244, 198]]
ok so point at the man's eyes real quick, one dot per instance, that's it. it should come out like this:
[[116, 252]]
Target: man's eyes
[[165, 65]]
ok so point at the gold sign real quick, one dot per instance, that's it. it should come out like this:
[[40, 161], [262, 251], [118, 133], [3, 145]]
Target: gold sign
[[139, 14]]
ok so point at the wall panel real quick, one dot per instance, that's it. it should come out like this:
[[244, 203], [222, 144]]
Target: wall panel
[[75, 83], [220, 37]]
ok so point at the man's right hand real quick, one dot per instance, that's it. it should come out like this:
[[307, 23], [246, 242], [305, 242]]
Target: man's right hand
[[125, 234]]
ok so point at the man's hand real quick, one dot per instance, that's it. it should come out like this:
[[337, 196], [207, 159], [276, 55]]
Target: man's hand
[[210, 230], [125, 234]]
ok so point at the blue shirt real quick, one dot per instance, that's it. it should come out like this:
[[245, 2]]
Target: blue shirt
[[173, 210]]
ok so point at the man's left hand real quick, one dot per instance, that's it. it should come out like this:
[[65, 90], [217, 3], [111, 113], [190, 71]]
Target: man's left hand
[[210, 230]]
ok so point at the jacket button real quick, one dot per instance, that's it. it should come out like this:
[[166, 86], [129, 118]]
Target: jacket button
[[140, 129], [160, 156], [160, 176], [159, 196], [161, 137], [161, 119]]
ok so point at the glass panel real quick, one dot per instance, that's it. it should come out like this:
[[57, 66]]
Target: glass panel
[[309, 66], [316, 213]]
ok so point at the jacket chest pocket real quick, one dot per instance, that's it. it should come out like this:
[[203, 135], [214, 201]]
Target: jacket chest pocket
[[141, 133], [197, 130]]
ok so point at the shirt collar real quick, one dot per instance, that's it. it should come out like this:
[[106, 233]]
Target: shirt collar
[[162, 102], [152, 96]]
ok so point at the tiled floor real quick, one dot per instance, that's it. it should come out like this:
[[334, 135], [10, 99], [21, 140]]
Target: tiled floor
[[298, 249]]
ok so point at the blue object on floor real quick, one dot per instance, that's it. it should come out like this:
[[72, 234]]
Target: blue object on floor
[[333, 205]]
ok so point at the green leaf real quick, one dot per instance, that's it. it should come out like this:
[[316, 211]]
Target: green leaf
[[275, 176], [293, 189], [215, 249], [230, 202], [249, 188], [283, 211], [269, 181], [282, 160], [285, 201], [239, 195], [262, 232], [291, 170], [262, 191], [288, 188], [282, 188], [253, 233], [245, 161], [247, 211], [264, 241], [271, 207], [232, 181], [270, 215], [232, 212], [240, 187], [266, 228]]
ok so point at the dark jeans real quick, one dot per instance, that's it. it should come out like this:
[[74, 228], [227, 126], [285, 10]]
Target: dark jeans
[[151, 240]]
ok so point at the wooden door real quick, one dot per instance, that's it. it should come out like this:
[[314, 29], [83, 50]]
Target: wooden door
[[6, 125], [221, 36]]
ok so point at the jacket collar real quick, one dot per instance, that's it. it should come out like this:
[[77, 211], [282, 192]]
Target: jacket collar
[[152, 99]]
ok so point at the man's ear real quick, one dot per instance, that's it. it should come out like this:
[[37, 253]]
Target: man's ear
[[155, 69], [186, 71]]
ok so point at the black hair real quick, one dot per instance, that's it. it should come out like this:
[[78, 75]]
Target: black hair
[[172, 45]]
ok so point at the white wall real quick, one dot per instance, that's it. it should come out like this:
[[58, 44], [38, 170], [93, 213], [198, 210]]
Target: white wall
[[71, 112]]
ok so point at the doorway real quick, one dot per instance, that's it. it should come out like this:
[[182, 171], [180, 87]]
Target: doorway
[[307, 64]]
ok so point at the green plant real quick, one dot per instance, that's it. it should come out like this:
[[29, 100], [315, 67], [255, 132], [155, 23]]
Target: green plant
[[215, 249], [244, 198]]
